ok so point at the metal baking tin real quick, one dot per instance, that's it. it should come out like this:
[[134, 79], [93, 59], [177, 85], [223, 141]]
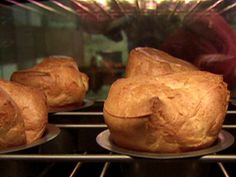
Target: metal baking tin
[[225, 140], [51, 132], [85, 104]]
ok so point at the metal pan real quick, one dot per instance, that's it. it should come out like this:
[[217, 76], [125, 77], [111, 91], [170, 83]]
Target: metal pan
[[225, 140], [51, 132], [85, 104], [83, 115]]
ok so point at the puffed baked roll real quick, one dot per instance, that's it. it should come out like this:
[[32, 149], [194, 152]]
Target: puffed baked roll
[[12, 129], [171, 113], [32, 104], [59, 78]]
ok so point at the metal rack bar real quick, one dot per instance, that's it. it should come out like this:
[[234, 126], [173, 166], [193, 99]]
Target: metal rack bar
[[229, 126], [228, 8], [194, 8], [105, 126], [43, 6], [231, 112], [46, 170], [101, 113], [78, 165], [104, 170], [23, 6], [63, 6], [102, 9], [102, 157], [218, 158], [84, 8], [175, 9], [214, 5], [79, 113], [223, 169], [81, 125], [68, 157]]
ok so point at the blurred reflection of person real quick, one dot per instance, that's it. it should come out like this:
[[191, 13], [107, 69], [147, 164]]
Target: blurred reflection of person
[[202, 37], [103, 72], [208, 41], [96, 81]]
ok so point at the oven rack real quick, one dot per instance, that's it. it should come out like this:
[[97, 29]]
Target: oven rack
[[102, 157], [108, 158], [111, 157]]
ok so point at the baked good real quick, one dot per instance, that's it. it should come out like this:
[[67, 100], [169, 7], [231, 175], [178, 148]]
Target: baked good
[[12, 130], [33, 108], [154, 62], [176, 112], [59, 78]]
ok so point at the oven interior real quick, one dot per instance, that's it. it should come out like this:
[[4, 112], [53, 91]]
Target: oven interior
[[100, 35]]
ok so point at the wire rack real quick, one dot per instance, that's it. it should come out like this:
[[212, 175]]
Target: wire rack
[[88, 124], [104, 157]]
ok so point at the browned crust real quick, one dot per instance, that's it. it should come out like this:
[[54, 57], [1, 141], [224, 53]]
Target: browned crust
[[33, 106], [12, 130], [154, 62], [185, 111], [59, 78]]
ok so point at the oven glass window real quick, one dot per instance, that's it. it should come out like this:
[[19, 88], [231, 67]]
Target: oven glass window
[[100, 34]]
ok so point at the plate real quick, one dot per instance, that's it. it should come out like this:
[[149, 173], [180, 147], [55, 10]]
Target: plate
[[225, 140], [51, 132]]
